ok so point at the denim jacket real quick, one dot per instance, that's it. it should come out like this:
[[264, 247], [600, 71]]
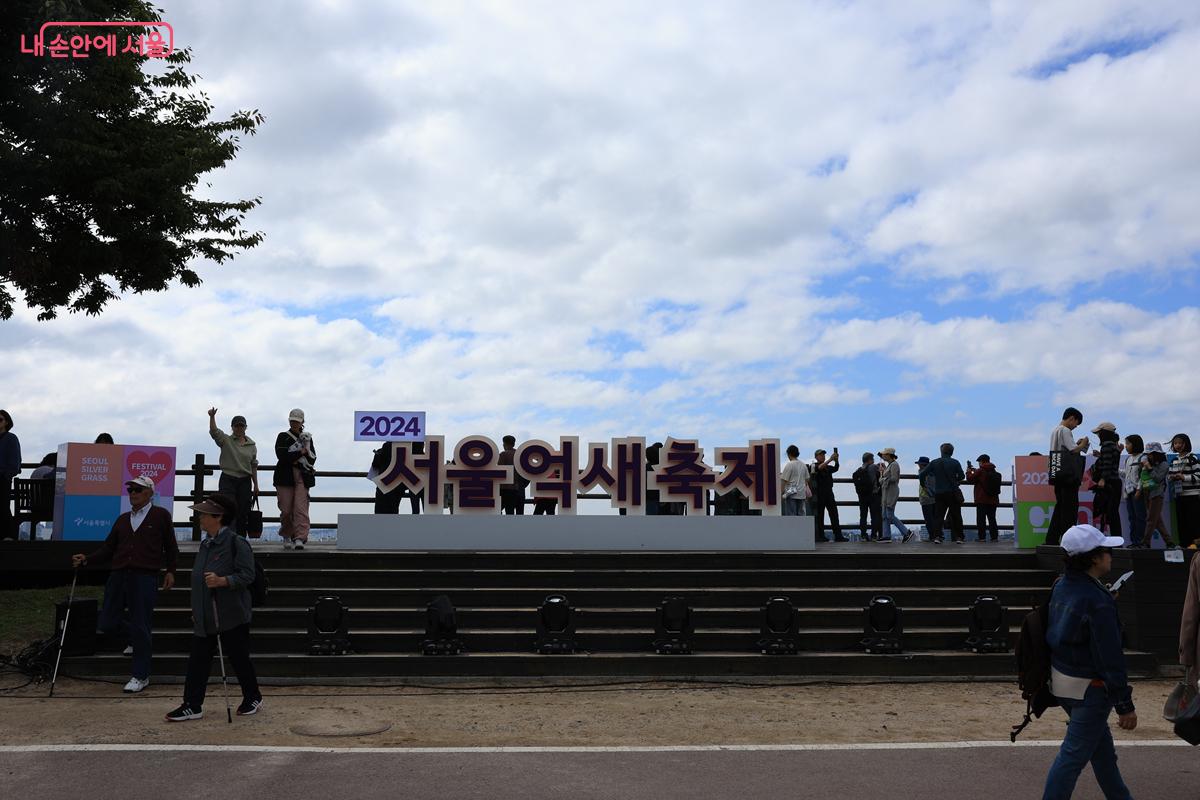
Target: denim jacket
[[1085, 636]]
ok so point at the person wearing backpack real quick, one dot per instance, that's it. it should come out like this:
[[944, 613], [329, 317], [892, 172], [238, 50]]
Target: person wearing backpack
[[1087, 665], [987, 482], [222, 574], [866, 486]]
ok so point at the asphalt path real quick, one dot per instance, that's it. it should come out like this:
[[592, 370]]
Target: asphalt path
[[869, 771]]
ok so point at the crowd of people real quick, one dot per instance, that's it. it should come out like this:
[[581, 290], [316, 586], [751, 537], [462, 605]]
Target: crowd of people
[[1142, 485]]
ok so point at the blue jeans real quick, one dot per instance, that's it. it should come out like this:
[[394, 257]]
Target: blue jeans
[[1088, 739], [137, 592], [890, 519], [1137, 518], [793, 506]]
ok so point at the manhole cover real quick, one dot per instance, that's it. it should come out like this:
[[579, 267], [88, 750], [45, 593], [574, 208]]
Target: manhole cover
[[341, 727]]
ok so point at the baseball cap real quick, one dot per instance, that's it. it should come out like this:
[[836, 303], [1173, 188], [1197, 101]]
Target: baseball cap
[[820, 451], [296, 414], [923, 460], [238, 420], [142, 481], [1105, 426], [1086, 538]]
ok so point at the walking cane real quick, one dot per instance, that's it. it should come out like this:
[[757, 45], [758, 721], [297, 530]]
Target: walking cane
[[221, 656], [63, 636]]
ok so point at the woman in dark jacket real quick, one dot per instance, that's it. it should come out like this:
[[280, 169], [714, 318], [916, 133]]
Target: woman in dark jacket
[[221, 577], [294, 476], [1087, 664]]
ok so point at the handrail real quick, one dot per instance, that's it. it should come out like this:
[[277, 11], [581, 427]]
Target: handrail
[[201, 469]]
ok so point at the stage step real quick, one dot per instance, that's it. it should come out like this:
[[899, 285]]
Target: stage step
[[312, 669]]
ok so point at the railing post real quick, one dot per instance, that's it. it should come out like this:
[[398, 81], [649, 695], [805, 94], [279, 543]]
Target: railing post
[[197, 492]]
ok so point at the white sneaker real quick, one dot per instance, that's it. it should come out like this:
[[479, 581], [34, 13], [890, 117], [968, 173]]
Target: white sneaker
[[287, 544], [299, 545], [136, 685], [128, 651]]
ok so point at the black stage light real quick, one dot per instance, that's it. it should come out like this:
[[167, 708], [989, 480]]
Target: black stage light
[[441, 629], [328, 627], [780, 628], [556, 626], [673, 629], [883, 626], [988, 625]]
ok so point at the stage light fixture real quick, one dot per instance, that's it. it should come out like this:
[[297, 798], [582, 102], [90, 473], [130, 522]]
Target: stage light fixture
[[328, 627], [556, 626], [673, 629], [883, 625], [780, 628], [988, 625], [441, 629]]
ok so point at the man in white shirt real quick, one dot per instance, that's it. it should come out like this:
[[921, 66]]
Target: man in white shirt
[[1066, 489], [794, 478]]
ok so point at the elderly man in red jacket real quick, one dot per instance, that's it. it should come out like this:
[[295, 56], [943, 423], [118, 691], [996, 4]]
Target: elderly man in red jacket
[[140, 545]]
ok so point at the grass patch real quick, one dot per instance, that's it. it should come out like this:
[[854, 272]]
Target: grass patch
[[27, 615]]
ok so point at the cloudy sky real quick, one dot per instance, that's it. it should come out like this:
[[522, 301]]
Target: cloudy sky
[[836, 223]]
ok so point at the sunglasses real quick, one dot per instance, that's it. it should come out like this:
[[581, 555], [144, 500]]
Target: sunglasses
[[136, 489]]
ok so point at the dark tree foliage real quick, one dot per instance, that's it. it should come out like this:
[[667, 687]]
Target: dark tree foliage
[[100, 158]]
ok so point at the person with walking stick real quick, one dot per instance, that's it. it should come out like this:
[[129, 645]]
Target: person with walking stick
[[221, 577], [140, 544]]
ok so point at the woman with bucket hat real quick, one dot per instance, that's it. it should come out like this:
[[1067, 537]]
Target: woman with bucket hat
[[222, 574], [294, 476]]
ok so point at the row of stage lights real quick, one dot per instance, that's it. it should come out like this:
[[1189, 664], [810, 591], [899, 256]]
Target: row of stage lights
[[883, 627]]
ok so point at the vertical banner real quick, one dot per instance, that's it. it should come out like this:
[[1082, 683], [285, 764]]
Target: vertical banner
[[91, 494], [1033, 500]]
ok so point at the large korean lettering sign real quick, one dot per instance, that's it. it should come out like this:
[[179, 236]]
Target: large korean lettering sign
[[473, 474], [90, 488]]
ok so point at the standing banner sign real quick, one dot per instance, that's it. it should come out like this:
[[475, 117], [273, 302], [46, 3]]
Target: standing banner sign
[[90, 492], [1033, 500]]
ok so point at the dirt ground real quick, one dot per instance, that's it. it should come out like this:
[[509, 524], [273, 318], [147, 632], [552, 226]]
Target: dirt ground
[[503, 714]]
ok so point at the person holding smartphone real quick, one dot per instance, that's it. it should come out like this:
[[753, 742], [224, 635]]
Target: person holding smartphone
[[821, 475]]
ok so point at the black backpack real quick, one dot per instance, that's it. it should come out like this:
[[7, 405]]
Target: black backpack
[[992, 483], [862, 481], [260, 586], [1033, 666]]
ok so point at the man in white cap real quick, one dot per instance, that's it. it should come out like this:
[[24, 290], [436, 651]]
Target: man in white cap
[[140, 544], [1087, 665], [294, 476]]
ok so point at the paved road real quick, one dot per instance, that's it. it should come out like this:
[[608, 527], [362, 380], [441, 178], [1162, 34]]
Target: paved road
[[1003, 773]]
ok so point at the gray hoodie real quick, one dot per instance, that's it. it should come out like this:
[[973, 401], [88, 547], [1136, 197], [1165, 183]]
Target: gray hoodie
[[230, 556]]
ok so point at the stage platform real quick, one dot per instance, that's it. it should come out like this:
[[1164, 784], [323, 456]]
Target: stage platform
[[615, 594]]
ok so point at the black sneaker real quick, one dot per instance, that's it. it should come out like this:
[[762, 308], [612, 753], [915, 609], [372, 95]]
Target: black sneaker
[[184, 713], [907, 538], [936, 541], [249, 707]]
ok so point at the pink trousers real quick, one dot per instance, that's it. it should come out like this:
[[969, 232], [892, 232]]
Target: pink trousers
[[293, 509]]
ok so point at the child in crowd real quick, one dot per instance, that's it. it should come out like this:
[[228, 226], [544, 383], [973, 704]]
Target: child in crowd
[[1152, 487], [1135, 505]]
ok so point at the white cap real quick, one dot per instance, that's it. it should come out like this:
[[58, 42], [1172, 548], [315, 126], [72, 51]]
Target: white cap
[[296, 415], [1086, 538], [141, 480]]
